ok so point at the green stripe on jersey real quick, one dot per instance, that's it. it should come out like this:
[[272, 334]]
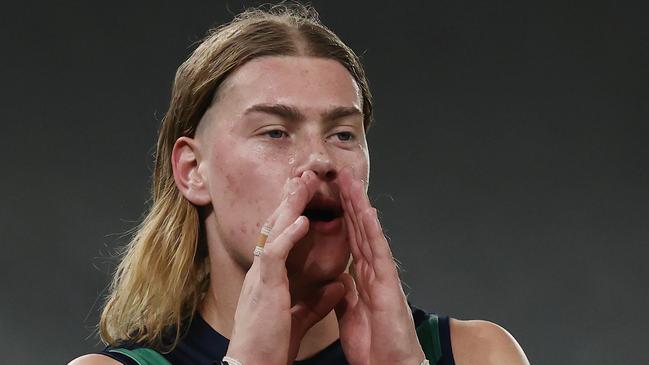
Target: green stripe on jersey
[[428, 334], [143, 356]]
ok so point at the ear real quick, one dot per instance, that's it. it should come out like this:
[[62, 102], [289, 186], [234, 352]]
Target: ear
[[186, 161]]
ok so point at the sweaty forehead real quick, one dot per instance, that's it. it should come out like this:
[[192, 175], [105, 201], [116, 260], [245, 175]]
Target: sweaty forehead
[[305, 82]]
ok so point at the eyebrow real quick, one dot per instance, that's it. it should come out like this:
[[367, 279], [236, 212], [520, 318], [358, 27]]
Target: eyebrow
[[293, 114]]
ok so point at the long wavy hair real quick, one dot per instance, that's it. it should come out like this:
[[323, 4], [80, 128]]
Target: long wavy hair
[[164, 270]]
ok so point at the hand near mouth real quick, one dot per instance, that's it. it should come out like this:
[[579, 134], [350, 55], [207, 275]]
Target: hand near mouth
[[376, 325], [267, 327]]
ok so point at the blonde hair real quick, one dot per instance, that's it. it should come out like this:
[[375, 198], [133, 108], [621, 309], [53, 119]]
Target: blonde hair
[[164, 270]]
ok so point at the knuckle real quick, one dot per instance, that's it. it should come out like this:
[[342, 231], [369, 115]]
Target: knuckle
[[268, 256], [298, 193]]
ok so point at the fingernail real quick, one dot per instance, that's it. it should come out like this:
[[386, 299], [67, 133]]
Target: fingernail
[[299, 220]]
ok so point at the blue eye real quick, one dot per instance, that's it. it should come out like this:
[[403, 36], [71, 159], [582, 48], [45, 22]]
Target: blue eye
[[276, 134], [345, 136]]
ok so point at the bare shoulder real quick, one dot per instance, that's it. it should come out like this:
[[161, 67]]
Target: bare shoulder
[[485, 343], [94, 359]]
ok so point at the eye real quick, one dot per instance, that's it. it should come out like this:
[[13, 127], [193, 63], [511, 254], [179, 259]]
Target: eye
[[345, 136], [276, 134]]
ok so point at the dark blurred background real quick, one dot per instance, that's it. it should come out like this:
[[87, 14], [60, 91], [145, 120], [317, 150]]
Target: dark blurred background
[[509, 160]]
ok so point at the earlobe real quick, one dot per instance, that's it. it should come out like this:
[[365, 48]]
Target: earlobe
[[186, 161]]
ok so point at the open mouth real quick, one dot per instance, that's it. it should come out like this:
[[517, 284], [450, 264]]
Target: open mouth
[[323, 210]]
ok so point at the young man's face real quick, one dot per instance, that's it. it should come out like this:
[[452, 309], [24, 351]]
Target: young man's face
[[272, 119]]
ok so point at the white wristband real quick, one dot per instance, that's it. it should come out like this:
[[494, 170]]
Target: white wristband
[[230, 361], [425, 362]]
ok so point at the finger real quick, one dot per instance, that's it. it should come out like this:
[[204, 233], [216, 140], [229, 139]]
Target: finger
[[300, 192], [360, 249], [351, 234], [272, 260], [310, 311], [383, 265], [379, 243], [346, 183], [359, 195], [362, 265], [306, 313], [359, 204], [362, 205], [350, 299], [288, 187]]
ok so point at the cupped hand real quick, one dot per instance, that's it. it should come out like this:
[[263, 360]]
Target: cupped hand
[[376, 325], [267, 328]]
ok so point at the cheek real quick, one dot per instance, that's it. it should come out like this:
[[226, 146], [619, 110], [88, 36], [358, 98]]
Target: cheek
[[246, 185], [357, 159]]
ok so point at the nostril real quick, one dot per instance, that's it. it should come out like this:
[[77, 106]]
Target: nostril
[[331, 175]]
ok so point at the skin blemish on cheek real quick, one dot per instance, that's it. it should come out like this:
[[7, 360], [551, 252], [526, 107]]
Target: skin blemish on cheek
[[231, 186]]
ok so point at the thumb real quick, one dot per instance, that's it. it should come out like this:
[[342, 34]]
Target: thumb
[[350, 297], [311, 310]]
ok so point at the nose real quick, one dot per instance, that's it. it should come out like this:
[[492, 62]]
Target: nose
[[318, 160]]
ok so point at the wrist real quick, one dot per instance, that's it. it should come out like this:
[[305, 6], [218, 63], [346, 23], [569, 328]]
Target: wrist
[[419, 359], [227, 360], [247, 357]]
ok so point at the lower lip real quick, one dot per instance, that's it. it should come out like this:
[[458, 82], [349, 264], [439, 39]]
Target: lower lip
[[326, 227]]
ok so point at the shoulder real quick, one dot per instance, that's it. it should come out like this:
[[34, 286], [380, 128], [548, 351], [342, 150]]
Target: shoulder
[[483, 342], [94, 359]]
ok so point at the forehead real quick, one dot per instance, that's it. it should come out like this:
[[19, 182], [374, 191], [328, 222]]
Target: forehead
[[308, 83]]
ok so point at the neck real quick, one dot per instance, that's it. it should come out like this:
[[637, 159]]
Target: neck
[[220, 303]]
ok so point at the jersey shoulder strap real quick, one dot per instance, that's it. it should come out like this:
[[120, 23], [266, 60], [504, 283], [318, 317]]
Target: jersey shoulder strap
[[428, 335], [142, 356]]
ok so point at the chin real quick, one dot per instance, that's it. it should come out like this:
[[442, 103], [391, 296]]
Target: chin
[[317, 260]]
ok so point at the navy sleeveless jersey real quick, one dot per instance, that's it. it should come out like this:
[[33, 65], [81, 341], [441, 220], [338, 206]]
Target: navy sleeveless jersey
[[202, 345]]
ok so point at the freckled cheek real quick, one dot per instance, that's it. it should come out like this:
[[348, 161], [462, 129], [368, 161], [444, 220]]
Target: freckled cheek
[[248, 196], [250, 184]]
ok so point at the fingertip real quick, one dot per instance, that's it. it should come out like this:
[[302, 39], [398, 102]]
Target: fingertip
[[301, 221], [344, 177], [308, 177], [357, 185], [350, 295], [298, 193], [311, 182], [346, 171], [339, 285], [336, 289], [346, 280], [372, 213]]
